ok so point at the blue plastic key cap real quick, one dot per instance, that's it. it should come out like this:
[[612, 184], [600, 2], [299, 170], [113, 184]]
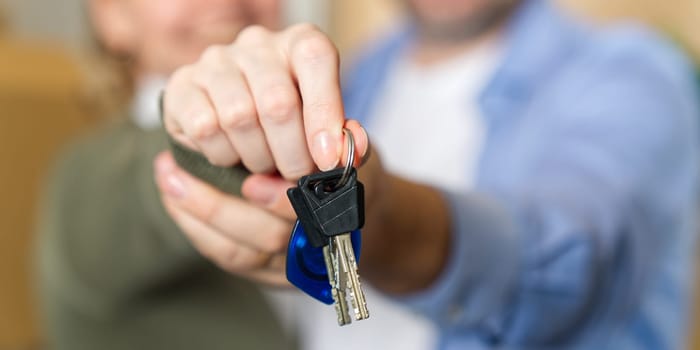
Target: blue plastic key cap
[[306, 267]]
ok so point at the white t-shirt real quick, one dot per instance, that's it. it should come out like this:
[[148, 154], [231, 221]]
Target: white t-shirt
[[144, 106], [427, 127]]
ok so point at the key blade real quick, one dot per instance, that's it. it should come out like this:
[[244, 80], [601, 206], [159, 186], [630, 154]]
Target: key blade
[[349, 266], [339, 299]]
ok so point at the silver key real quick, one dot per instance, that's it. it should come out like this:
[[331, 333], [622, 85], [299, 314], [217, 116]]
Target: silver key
[[349, 277], [338, 293]]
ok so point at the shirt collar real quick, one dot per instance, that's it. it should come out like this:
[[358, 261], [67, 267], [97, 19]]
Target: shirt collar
[[537, 40]]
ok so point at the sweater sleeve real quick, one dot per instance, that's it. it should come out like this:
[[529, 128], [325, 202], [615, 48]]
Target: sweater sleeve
[[101, 209]]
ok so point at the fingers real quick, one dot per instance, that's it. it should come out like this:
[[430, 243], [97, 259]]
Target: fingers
[[269, 192], [232, 216], [219, 75], [229, 255], [277, 101], [224, 252], [314, 62], [270, 100], [193, 120]]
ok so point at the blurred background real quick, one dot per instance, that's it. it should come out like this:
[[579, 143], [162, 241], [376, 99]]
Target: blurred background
[[53, 85]]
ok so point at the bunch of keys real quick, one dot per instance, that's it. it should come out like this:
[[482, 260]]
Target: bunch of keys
[[324, 248]]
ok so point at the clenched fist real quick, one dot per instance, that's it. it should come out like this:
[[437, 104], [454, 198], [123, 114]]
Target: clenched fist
[[270, 100]]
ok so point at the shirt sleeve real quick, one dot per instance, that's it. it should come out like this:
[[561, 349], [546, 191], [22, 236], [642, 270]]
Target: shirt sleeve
[[601, 182]]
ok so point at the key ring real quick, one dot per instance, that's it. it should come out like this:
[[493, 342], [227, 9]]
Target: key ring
[[351, 157]]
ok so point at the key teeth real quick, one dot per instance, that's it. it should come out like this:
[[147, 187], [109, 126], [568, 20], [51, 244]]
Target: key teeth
[[343, 317], [340, 304], [343, 275], [357, 296], [360, 308]]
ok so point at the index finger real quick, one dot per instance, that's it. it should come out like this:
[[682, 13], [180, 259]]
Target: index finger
[[315, 63]]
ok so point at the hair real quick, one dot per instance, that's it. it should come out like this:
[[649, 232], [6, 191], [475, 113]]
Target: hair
[[109, 75], [3, 20]]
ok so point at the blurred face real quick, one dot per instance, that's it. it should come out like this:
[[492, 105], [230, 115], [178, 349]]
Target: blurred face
[[453, 20], [161, 35]]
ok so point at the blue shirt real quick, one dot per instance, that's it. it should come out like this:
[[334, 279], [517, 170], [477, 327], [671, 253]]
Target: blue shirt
[[580, 231]]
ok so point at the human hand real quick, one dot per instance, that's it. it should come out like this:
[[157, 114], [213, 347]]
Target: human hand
[[270, 100], [262, 101], [239, 236]]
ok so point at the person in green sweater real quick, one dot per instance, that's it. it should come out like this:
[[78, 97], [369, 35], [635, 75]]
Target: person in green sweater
[[114, 271]]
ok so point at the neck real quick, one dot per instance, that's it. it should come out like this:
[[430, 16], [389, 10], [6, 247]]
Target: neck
[[427, 52], [438, 42]]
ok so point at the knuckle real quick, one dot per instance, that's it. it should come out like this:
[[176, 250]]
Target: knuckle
[[209, 74], [320, 107], [180, 75], [279, 105], [237, 261], [253, 34], [239, 116], [215, 53], [181, 78], [204, 126], [208, 209], [297, 169], [222, 160], [260, 166], [315, 46], [229, 256]]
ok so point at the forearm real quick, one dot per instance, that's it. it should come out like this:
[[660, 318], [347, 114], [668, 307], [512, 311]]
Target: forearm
[[406, 243]]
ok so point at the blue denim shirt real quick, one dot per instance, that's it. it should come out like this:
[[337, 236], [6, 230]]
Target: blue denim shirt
[[579, 233]]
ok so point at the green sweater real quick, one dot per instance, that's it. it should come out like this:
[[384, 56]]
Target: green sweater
[[116, 273]]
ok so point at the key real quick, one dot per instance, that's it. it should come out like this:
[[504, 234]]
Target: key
[[330, 211], [348, 265], [337, 209], [339, 300]]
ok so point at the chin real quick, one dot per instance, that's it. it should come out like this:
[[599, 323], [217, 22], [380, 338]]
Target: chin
[[447, 10]]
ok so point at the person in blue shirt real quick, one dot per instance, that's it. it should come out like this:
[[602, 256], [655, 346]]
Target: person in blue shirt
[[557, 213]]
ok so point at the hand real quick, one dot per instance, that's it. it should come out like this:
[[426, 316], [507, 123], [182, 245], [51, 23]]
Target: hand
[[237, 235], [270, 100], [243, 103], [244, 236]]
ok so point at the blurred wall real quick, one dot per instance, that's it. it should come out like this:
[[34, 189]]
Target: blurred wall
[[41, 108], [61, 21], [679, 18]]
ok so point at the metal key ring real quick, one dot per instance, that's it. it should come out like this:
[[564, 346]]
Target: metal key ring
[[351, 157]]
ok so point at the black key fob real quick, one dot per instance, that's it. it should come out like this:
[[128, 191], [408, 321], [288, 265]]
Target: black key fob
[[326, 209]]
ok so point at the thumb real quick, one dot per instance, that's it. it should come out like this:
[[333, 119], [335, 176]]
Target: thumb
[[269, 192]]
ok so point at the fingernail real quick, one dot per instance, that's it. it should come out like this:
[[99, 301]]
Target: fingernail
[[325, 150], [174, 186]]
